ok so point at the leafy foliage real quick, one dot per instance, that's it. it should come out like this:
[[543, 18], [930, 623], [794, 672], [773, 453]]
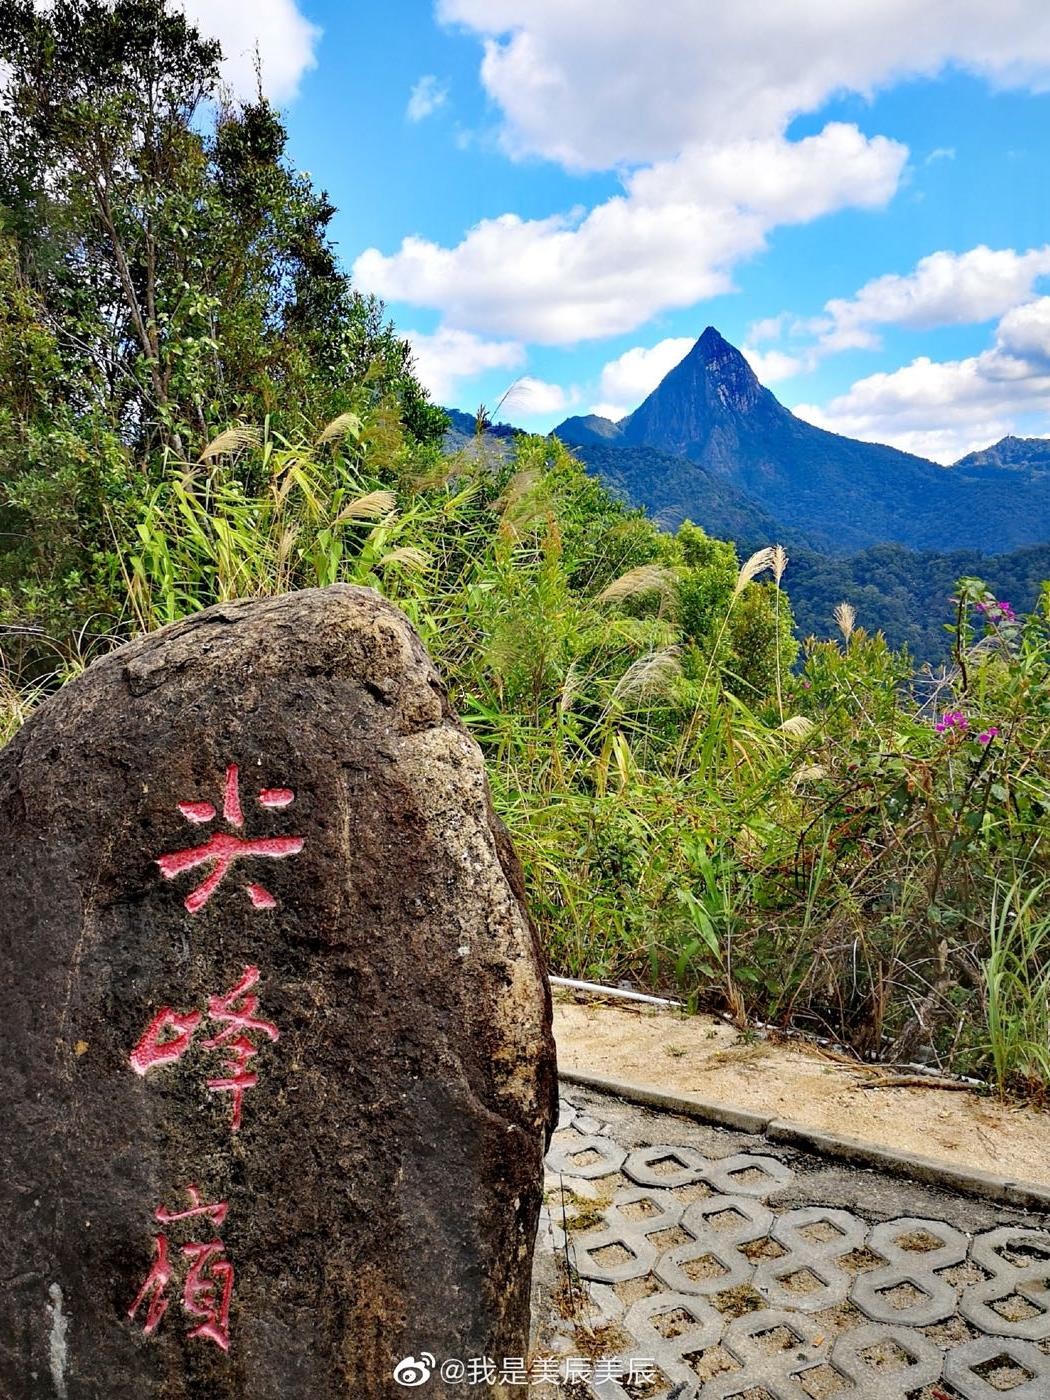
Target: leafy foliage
[[826, 840], [906, 594], [165, 271], [818, 842]]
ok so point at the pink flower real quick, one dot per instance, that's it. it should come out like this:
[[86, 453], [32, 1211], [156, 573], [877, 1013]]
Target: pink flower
[[951, 720], [1000, 611], [987, 735]]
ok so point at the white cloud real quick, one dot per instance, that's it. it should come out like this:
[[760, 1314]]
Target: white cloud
[[447, 356], [945, 408], [940, 153], [613, 411], [670, 240], [945, 289], [1025, 332], [426, 97], [632, 376], [693, 110], [772, 366], [284, 37], [768, 328], [534, 398], [593, 84]]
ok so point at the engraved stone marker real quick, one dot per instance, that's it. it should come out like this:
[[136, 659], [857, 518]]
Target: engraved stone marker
[[277, 1070]]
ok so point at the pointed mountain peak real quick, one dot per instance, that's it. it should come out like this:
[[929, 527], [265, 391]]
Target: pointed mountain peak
[[731, 377], [712, 343], [714, 350]]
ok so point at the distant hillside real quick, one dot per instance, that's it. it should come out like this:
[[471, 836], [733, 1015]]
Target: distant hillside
[[843, 494], [905, 593], [667, 482], [462, 432], [712, 445], [590, 429], [1010, 453]]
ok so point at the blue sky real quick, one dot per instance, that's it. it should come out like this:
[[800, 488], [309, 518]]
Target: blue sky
[[561, 194]]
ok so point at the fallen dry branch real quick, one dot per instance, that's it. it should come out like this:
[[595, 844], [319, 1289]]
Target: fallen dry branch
[[916, 1081]]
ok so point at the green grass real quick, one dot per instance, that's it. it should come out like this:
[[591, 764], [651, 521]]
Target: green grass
[[696, 808], [1016, 975]]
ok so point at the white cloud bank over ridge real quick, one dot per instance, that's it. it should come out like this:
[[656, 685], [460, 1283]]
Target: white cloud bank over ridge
[[284, 38], [692, 105], [694, 109], [447, 356], [594, 84], [536, 398], [942, 409], [945, 289], [669, 241]]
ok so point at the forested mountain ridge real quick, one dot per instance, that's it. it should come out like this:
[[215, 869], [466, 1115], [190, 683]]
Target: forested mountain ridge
[[712, 445], [1010, 453], [839, 492]]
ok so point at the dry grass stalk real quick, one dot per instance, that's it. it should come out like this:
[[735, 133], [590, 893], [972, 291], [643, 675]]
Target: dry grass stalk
[[373, 506], [811, 773], [517, 488], [409, 557], [846, 619], [569, 686], [761, 560], [346, 425], [229, 441], [779, 562], [646, 578], [649, 674]]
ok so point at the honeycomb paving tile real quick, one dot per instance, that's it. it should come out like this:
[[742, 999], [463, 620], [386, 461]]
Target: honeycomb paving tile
[[989, 1368], [671, 1328], [728, 1220], [814, 1240], [765, 1275], [775, 1350], [665, 1166], [645, 1209], [613, 1255], [566, 1115], [886, 1362], [909, 1288], [749, 1174], [587, 1157], [1014, 1301]]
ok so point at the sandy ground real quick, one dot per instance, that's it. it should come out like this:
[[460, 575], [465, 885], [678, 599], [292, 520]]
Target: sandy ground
[[702, 1055]]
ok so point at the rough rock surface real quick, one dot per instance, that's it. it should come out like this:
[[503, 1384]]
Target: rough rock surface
[[349, 970]]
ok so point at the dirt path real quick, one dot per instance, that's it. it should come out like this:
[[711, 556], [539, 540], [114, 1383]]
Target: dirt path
[[702, 1055]]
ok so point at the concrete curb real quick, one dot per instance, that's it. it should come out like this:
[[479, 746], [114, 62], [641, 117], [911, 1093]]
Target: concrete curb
[[1030, 1195]]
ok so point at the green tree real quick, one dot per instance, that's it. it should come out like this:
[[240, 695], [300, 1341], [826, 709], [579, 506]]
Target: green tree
[[176, 270]]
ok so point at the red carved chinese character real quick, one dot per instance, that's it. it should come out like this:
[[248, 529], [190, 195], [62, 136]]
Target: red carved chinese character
[[152, 1050], [208, 1287], [157, 1281], [237, 1011], [222, 850], [207, 1291], [216, 1211]]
